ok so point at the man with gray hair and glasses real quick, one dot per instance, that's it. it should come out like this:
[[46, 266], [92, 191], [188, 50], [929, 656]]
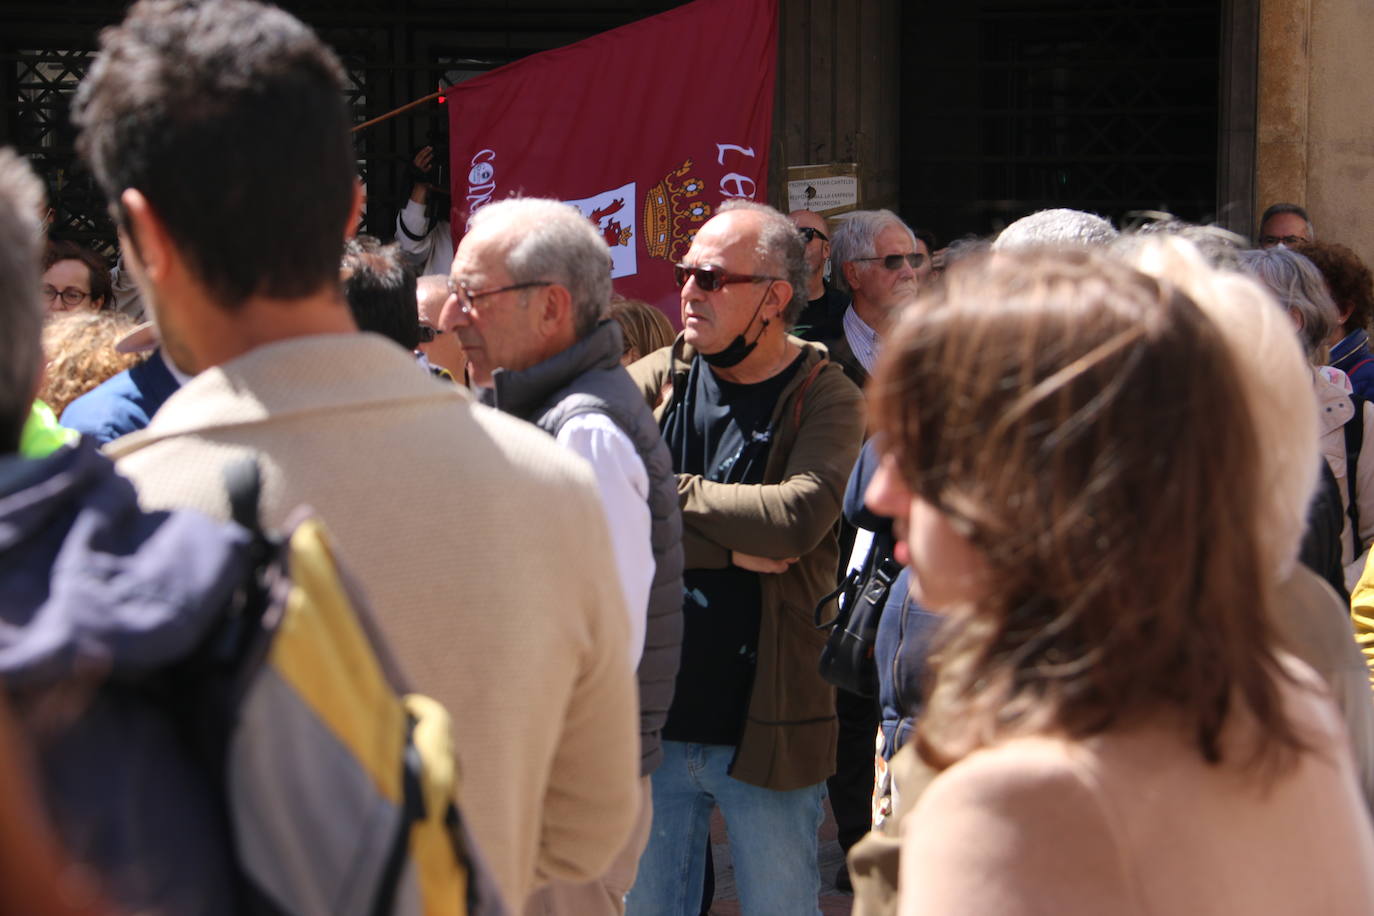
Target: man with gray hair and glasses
[[881, 262], [531, 285], [1287, 225]]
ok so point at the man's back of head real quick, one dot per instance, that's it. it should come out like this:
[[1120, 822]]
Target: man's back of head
[[21, 312], [380, 290], [1058, 226], [228, 117]]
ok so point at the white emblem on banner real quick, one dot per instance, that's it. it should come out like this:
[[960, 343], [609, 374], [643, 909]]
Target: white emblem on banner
[[614, 213]]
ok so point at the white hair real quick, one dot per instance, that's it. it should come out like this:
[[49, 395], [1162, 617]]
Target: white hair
[[553, 241], [1055, 227], [21, 311]]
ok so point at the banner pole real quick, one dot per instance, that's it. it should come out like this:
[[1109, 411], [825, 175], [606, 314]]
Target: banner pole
[[393, 113]]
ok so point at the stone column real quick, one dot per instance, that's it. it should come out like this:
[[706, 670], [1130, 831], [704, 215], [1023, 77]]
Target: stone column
[[1281, 141]]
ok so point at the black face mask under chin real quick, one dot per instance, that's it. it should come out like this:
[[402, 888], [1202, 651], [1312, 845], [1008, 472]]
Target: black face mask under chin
[[737, 350]]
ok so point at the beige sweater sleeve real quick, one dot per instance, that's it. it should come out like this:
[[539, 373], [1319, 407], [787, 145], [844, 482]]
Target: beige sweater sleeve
[[592, 797], [1012, 835]]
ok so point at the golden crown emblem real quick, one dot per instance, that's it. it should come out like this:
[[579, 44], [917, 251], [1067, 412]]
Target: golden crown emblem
[[673, 209]]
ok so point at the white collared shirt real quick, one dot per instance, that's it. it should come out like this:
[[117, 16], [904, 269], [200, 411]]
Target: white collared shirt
[[862, 339], [623, 485]]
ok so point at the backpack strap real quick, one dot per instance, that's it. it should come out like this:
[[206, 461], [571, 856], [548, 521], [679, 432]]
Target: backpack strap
[[413, 809], [243, 481], [1354, 439]]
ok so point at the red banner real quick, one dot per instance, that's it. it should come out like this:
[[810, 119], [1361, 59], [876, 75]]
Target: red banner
[[646, 129]]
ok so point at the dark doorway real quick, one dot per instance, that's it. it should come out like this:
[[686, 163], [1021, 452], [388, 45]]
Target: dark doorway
[[1011, 106]]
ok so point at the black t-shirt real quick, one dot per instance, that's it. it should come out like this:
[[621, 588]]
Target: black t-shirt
[[823, 318], [720, 431]]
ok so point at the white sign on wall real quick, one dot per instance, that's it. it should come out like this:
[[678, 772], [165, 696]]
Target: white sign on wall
[[823, 188]]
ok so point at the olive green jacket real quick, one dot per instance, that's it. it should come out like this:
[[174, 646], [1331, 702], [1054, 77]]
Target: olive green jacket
[[818, 424]]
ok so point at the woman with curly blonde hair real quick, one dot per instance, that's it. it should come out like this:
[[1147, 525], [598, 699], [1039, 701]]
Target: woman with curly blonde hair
[[80, 349]]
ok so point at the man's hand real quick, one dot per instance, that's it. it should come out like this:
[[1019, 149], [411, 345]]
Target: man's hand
[[760, 564], [419, 173]]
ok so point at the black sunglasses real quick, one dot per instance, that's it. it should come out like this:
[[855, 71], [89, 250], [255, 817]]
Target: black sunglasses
[[807, 234], [894, 261], [709, 280]]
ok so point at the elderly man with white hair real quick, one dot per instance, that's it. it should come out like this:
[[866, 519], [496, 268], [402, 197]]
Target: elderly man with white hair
[[531, 285], [881, 262], [1059, 226]]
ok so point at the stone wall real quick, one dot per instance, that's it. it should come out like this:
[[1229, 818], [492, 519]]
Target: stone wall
[[1315, 127]]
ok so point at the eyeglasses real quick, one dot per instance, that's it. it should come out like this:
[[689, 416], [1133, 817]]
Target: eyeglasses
[[808, 234], [427, 334], [71, 296], [894, 261], [709, 279], [1269, 241], [467, 297]]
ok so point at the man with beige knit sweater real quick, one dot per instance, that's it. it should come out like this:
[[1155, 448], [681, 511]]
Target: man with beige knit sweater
[[517, 626]]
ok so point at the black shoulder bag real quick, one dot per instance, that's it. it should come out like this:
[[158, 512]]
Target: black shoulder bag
[[847, 659]]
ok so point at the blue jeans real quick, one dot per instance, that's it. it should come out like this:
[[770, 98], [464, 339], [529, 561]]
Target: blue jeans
[[772, 834]]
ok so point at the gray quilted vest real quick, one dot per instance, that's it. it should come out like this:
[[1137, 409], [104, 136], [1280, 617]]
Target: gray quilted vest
[[587, 377]]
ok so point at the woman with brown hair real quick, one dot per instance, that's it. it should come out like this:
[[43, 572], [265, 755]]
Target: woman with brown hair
[[1352, 289], [75, 278], [644, 328], [1076, 460]]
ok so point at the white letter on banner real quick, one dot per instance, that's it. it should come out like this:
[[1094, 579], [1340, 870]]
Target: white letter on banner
[[738, 180], [735, 178], [481, 179], [722, 147]]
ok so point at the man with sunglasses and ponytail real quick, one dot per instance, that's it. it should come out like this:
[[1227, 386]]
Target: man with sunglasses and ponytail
[[881, 262], [820, 319], [763, 429]]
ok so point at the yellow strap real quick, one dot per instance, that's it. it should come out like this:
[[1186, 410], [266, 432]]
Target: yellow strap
[[323, 654], [1362, 613]]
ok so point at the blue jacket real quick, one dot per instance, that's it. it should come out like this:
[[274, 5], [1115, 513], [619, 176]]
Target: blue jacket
[[97, 600], [904, 630], [1352, 357], [123, 403]]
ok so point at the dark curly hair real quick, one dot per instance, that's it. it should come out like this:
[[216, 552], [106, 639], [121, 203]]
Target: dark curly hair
[[1348, 279]]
